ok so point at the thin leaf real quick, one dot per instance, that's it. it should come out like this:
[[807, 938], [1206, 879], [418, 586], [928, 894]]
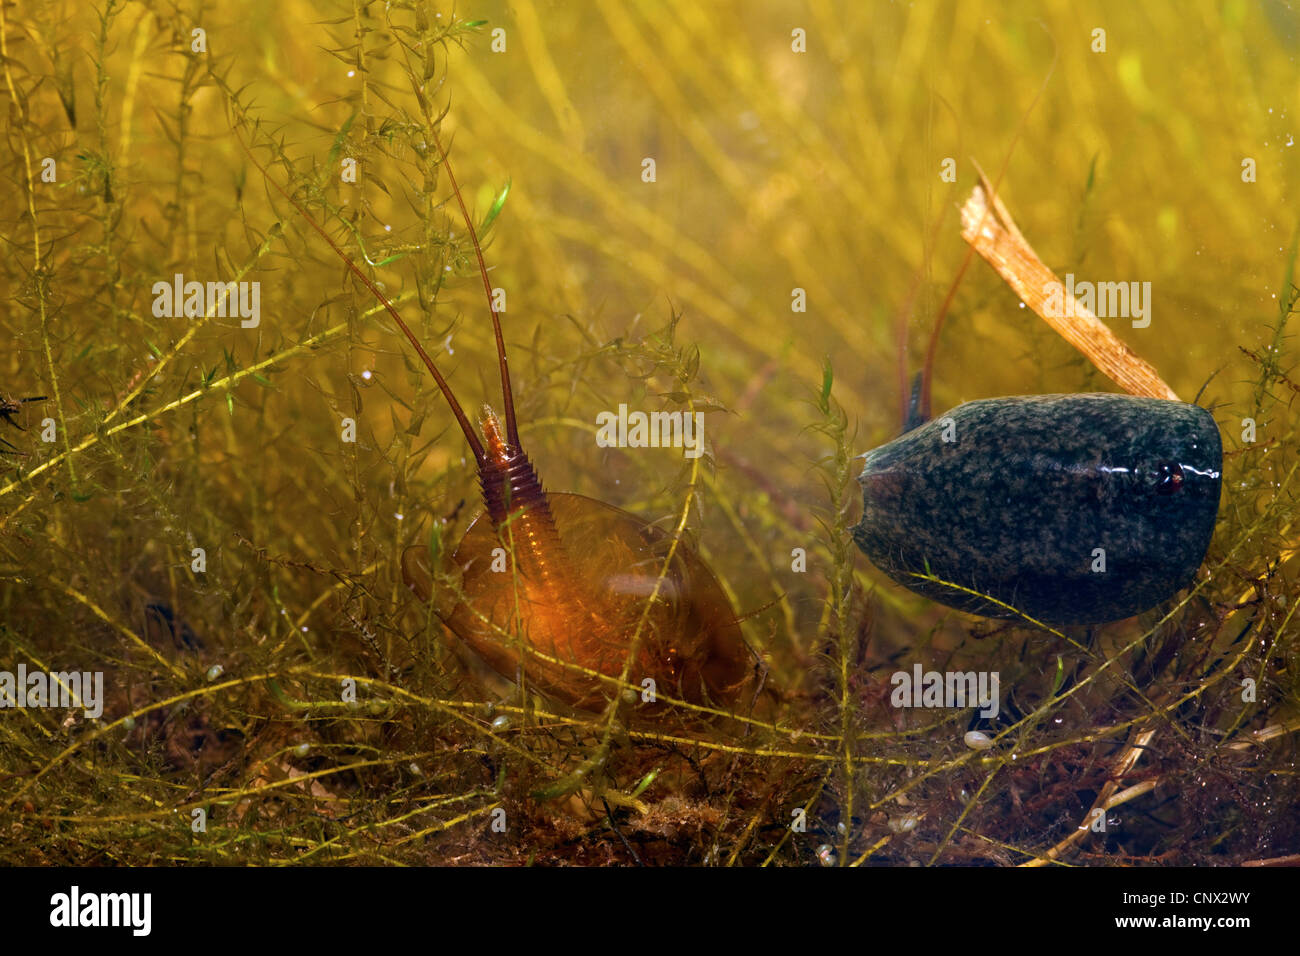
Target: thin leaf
[[495, 211]]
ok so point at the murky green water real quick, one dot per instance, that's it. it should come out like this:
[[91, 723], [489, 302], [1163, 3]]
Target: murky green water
[[780, 175]]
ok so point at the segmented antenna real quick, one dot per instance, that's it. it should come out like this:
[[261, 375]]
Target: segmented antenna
[[507, 393], [476, 446], [920, 404]]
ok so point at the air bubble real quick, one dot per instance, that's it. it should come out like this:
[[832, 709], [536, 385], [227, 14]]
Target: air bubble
[[905, 824]]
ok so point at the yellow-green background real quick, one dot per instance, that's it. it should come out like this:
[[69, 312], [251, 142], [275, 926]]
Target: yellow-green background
[[775, 170]]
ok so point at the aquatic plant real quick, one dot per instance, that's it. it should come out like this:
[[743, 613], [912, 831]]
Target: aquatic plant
[[183, 513]]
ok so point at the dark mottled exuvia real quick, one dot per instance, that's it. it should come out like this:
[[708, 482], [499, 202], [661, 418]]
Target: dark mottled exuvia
[[1026, 499]]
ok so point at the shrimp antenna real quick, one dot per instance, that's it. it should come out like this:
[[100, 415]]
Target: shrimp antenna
[[507, 393], [476, 446], [921, 402]]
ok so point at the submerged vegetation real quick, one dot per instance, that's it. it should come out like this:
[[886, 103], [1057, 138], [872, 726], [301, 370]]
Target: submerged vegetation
[[183, 510]]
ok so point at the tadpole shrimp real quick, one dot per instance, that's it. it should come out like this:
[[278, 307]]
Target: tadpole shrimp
[[580, 599], [1011, 507]]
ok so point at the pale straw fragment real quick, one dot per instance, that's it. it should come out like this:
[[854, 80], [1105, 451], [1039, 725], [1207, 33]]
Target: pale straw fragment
[[993, 234]]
